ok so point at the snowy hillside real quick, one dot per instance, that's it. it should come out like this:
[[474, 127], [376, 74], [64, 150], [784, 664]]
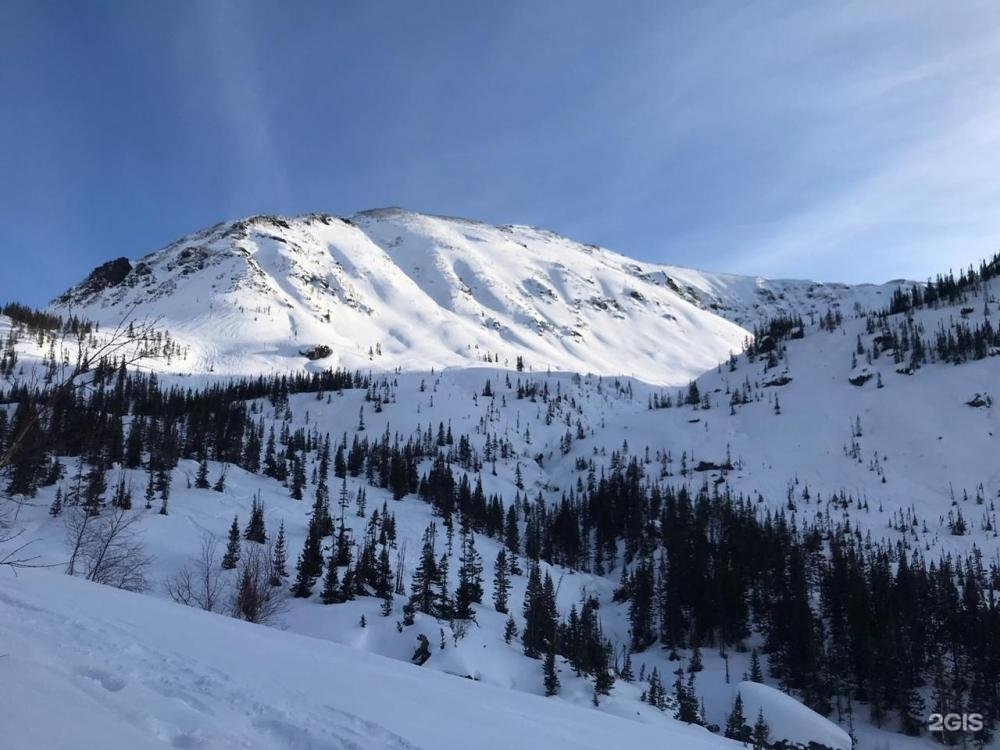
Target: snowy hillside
[[392, 288], [634, 548], [124, 672]]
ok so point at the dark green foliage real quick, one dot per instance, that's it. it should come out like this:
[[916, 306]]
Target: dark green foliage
[[470, 579], [122, 498], [255, 531], [201, 477], [501, 582], [761, 732], [55, 509], [279, 558], [551, 680], [736, 725], [687, 701], [232, 555], [332, 592], [756, 673], [310, 564], [539, 613], [510, 629]]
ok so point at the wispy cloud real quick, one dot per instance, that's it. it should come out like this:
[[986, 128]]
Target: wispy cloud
[[231, 42], [911, 121], [854, 141]]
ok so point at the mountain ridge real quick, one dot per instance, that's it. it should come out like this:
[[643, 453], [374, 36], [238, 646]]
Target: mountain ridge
[[391, 287], [868, 429]]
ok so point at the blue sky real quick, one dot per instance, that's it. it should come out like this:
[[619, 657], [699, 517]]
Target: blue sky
[[840, 141]]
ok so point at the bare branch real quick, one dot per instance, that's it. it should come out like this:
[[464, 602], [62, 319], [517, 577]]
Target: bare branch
[[199, 584], [254, 598], [107, 548], [15, 559]]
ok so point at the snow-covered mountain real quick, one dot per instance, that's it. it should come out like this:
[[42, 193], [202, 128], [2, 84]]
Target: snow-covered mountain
[[392, 288], [844, 417]]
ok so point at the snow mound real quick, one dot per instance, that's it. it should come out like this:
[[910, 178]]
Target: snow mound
[[790, 720]]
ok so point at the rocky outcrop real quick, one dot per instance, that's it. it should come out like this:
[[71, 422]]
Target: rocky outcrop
[[103, 277]]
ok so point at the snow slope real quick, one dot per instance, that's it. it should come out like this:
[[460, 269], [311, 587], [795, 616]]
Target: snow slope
[[613, 417], [447, 304], [127, 672], [392, 288], [789, 719]]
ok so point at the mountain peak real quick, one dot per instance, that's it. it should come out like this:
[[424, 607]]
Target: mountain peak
[[391, 287]]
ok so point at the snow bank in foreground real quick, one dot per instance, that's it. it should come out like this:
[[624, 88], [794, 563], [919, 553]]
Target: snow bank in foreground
[[789, 719], [90, 666]]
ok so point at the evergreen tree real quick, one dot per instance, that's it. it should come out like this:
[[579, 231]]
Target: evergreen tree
[[761, 732], [687, 701], [943, 698], [425, 576], [540, 616], [343, 501], [123, 494], [532, 636], [298, 478], [201, 478], [331, 584], [501, 582], [251, 454], [911, 712], [96, 487], [25, 456], [693, 395], [55, 509], [736, 725], [695, 664], [310, 564], [551, 678], [270, 458], [470, 579], [656, 694], [255, 531], [383, 584], [163, 487], [349, 584], [982, 698], [604, 680], [321, 503], [150, 486], [626, 671], [756, 673], [442, 596], [640, 591], [279, 557], [512, 539], [232, 555], [133, 445], [510, 629], [220, 483], [339, 465]]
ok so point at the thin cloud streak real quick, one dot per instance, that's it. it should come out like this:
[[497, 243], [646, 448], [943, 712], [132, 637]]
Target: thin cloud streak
[[231, 45], [928, 195]]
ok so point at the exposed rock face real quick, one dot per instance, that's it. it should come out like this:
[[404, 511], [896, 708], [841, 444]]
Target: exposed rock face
[[103, 277], [980, 400], [320, 351]]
